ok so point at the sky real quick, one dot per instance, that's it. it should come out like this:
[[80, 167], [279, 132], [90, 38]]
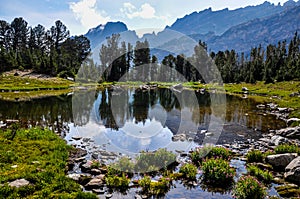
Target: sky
[[141, 15]]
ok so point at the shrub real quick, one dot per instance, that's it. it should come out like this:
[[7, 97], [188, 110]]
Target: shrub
[[121, 182], [124, 164], [254, 156], [209, 151], [155, 187], [154, 161], [265, 176], [189, 171], [145, 183], [217, 172], [160, 187], [248, 187], [287, 148]]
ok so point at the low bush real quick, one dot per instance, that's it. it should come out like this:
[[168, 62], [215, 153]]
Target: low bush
[[255, 156], [209, 151], [154, 161], [118, 182], [160, 187], [265, 176], [217, 172], [189, 171], [249, 187]]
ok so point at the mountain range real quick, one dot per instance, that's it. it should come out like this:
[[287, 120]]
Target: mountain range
[[238, 29]]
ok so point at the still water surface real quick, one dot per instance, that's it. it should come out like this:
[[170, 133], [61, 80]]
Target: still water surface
[[131, 120]]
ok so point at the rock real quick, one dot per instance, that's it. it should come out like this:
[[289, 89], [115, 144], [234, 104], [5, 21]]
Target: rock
[[261, 106], [99, 191], [95, 156], [19, 183], [295, 94], [144, 87], [85, 167], [292, 171], [283, 110], [178, 86], [107, 153], [79, 159], [80, 178], [181, 137], [290, 132], [280, 161], [137, 196], [278, 140], [291, 120], [244, 89], [76, 137], [108, 195], [95, 183], [74, 176], [95, 171], [86, 139]]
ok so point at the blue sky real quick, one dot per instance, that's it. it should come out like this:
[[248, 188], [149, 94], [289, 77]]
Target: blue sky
[[81, 15]]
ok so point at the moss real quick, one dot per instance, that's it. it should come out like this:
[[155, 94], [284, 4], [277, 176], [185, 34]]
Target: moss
[[41, 158]]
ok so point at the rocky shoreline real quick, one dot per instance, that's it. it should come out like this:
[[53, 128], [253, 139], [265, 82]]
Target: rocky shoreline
[[285, 167]]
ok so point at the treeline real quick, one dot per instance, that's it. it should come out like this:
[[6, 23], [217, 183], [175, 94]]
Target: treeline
[[279, 62], [123, 61], [51, 51]]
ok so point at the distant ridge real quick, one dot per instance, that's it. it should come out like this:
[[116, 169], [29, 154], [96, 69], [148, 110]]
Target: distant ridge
[[238, 29]]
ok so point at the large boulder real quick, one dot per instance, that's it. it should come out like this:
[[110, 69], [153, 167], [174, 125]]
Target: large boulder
[[280, 161], [291, 132], [292, 171]]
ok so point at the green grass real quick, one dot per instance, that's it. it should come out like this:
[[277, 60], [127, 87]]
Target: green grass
[[287, 148], [41, 158], [17, 83], [278, 93]]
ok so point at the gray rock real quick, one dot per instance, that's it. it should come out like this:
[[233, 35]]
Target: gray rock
[[19, 183], [95, 156], [108, 195], [74, 176], [99, 191], [137, 196], [292, 171], [277, 140], [95, 183], [95, 171], [291, 120], [85, 167], [280, 160], [244, 89], [76, 137], [290, 132]]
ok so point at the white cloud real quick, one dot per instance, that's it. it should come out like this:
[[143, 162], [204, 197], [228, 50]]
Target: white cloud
[[85, 11], [145, 12]]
